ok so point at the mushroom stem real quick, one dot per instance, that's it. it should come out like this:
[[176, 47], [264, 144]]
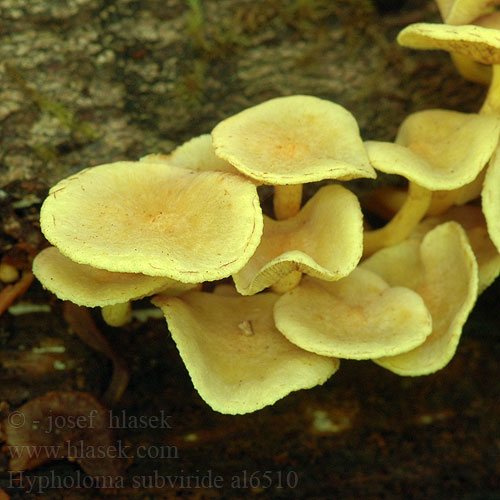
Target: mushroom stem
[[117, 314], [288, 282], [491, 105], [471, 70], [441, 201], [402, 224], [287, 200]]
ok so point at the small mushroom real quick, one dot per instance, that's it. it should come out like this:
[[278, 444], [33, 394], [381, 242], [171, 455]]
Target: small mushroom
[[472, 220], [464, 11], [478, 43], [357, 317], [453, 147], [464, 163], [155, 219], [117, 314], [491, 198], [233, 371], [91, 287], [439, 151], [195, 154], [87, 286], [288, 141], [8, 273], [325, 240], [459, 12], [442, 269]]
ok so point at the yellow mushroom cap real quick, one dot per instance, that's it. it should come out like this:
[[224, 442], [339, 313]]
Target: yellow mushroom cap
[[236, 358], [358, 317], [155, 219], [478, 43], [442, 269], [325, 239], [293, 140], [471, 218], [438, 149], [195, 154], [87, 286], [463, 11], [491, 198]]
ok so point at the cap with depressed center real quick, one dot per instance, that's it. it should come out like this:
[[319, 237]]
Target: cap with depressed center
[[442, 269], [236, 358], [438, 149], [325, 239], [155, 219], [292, 140], [435, 150], [357, 317]]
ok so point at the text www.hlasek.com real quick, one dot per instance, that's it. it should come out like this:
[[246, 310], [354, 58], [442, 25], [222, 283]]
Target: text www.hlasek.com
[[80, 451]]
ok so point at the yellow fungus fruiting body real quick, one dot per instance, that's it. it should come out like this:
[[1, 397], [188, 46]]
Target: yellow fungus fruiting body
[[155, 219], [237, 359], [438, 149], [491, 199], [442, 269], [88, 286], [324, 239], [476, 42], [195, 154], [357, 317], [293, 140]]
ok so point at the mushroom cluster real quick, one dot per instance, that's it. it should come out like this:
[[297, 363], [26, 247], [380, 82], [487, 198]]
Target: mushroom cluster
[[311, 282]]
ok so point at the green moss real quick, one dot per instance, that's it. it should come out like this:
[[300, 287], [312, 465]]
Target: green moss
[[217, 41], [62, 113], [46, 152], [191, 86], [195, 25]]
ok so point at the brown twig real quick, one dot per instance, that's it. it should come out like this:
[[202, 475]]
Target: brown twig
[[83, 325], [12, 292]]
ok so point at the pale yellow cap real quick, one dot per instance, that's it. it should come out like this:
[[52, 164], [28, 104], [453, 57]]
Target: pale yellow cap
[[442, 269], [438, 149], [87, 286], [237, 359], [293, 140], [195, 154], [325, 240], [358, 317], [155, 219], [477, 43]]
